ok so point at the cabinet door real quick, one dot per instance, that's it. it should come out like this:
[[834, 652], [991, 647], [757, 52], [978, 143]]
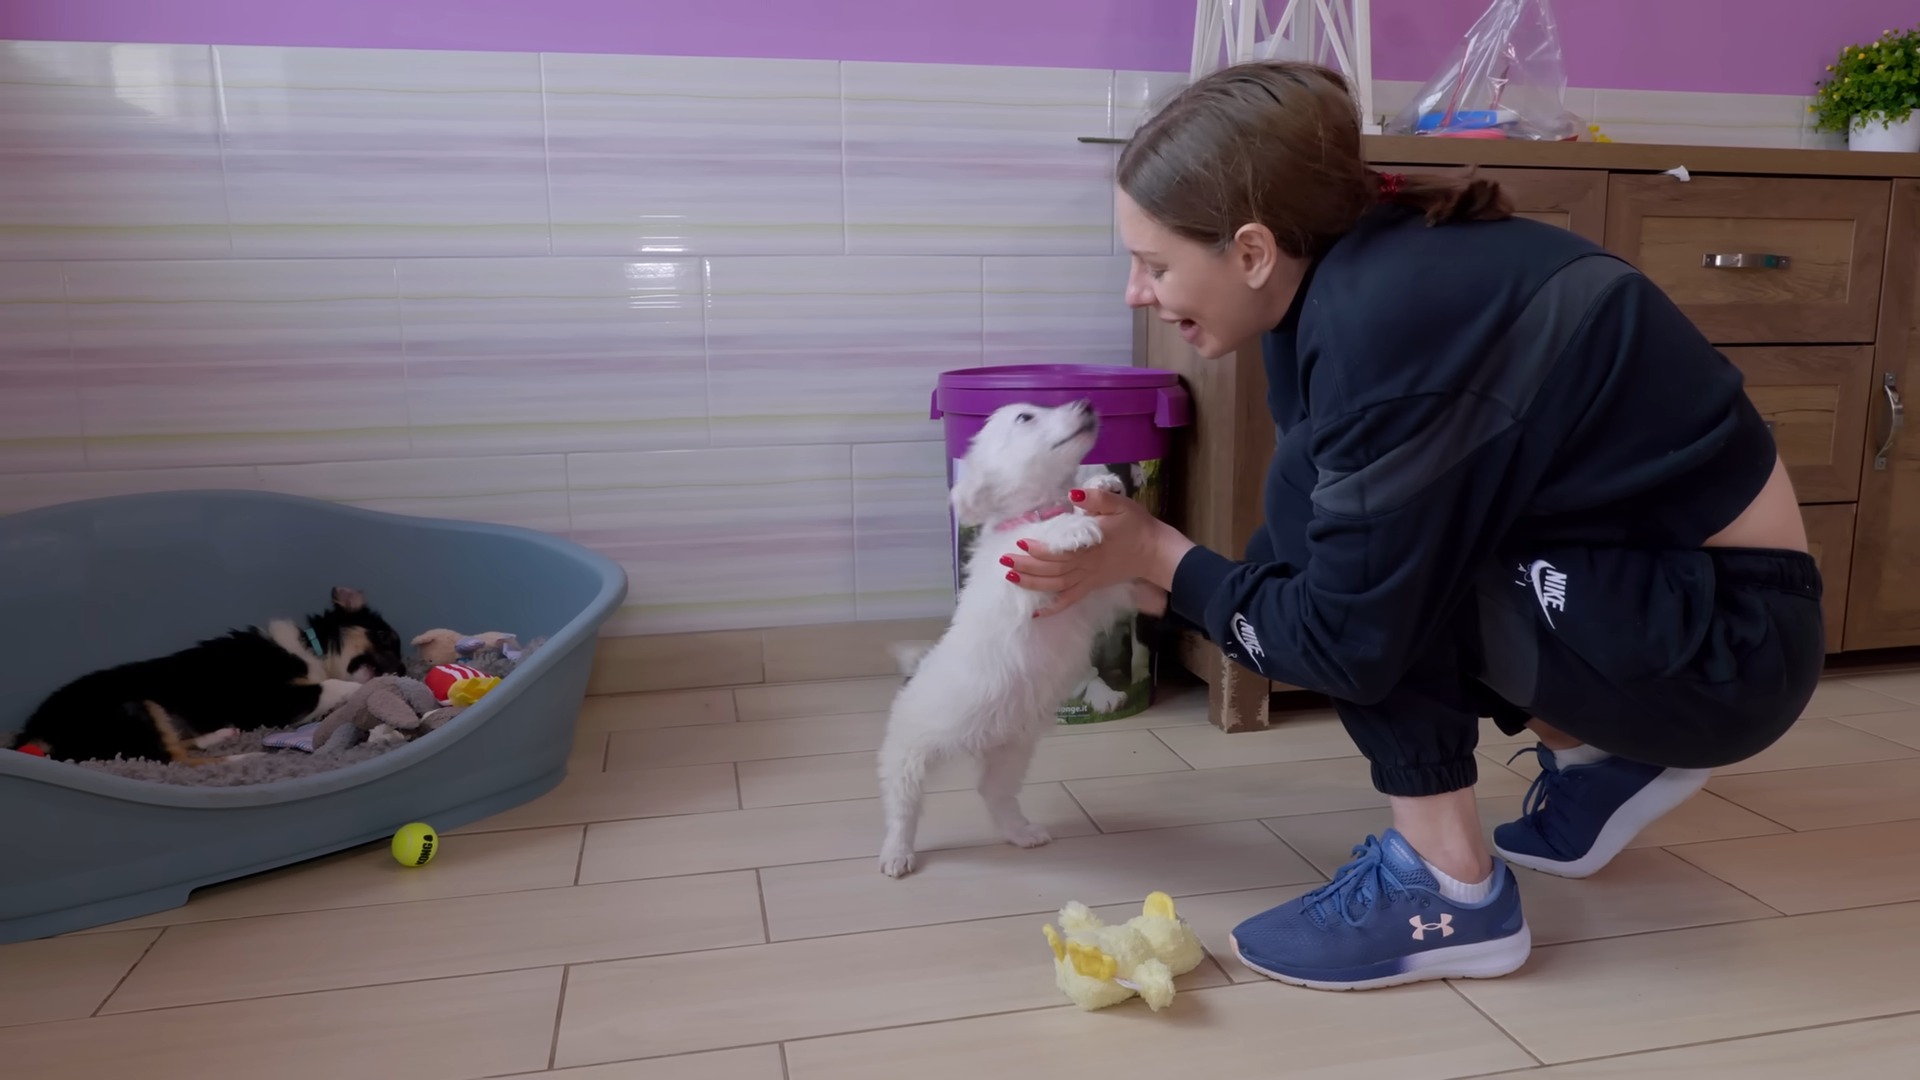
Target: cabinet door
[[1883, 601], [1815, 399], [1574, 199], [1758, 259], [1830, 542]]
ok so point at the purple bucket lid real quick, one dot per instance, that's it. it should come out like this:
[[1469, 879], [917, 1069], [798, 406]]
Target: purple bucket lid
[[1058, 377]]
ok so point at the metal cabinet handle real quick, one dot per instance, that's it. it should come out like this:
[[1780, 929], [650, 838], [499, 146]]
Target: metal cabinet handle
[[1744, 261], [1104, 140], [1897, 419]]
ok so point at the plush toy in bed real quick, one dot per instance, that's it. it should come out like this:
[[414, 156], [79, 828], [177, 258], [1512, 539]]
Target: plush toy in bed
[[385, 711], [442, 646]]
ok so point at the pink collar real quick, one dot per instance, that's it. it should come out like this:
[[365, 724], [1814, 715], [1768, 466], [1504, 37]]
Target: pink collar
[[1033, 517]]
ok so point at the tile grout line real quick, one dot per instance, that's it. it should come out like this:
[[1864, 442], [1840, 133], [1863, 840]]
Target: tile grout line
[[1497, 1025], [786, 1067], [579, 857], [128, 974], [559, 1011]]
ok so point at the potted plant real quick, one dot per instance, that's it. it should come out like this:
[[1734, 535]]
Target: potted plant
[[1872, 93]]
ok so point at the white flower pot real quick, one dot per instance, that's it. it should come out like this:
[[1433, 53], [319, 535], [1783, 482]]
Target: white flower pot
[[1878, 135]]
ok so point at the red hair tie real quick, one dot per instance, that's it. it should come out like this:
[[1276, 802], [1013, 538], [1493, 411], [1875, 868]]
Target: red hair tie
[[1390, 184]]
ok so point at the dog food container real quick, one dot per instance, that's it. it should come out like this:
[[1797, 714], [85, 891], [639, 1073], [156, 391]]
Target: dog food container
[[1139, 408]]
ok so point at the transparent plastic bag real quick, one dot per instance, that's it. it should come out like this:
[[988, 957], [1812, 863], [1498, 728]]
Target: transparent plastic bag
[[1504, 80]]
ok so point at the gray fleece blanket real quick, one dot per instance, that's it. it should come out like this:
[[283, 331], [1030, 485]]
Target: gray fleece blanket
[[272, 766]]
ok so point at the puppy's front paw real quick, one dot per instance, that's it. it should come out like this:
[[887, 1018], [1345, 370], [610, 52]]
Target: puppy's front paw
[[1027, 835], [1106, 481], [896, 864], [1078, 534], [1103, 698]]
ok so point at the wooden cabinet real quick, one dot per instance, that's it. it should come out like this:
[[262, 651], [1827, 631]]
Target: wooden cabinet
[[1758, 258], [1883, 596], [1804, 265]]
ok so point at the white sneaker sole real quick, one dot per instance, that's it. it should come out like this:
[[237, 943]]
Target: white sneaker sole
[[1480, 960], [1653, 802]]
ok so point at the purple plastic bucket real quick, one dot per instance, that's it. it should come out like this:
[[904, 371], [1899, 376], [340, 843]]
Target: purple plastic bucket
[[1139, 408]]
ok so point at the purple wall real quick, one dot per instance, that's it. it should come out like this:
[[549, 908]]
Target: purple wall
[[1741, 46]]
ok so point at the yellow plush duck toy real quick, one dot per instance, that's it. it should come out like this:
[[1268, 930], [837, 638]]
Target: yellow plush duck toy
[[1097, 965]]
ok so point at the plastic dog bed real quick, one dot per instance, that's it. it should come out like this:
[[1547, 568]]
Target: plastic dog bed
[[88, 584]]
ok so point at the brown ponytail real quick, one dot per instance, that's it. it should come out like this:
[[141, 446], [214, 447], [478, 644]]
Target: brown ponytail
[[1277, 143]]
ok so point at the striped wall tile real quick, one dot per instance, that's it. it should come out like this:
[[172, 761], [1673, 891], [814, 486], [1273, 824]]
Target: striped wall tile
[[977, 160], [656, 155], [901, 566], [30, 491], [383, 152], [109, 151], [716, 539], [1068, 309], [835, 349], [1137, 95], [239, 362], [544, 355], [40, 426], [529, 491]]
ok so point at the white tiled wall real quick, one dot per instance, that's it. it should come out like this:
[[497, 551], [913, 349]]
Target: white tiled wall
[[686, 311]]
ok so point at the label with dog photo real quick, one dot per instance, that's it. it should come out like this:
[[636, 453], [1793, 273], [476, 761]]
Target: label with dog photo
[[1120, 671]]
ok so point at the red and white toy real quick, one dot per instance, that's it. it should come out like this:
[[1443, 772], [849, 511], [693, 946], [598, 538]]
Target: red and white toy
[[451, 681]]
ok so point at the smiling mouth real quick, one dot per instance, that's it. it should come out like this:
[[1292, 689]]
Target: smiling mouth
[[1085, 428]]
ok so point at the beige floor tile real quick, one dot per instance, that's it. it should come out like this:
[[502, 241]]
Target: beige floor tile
[[840, 651], [636, 664], [746, 1063], [1704, 817], [615, 796], [589, 752], [815, 832], [1902, 727], [1493, 736], [1819, 871], [666, 747], [1852, 697], [466, 865], [1642, 890], [1901, 685], [987, 882], [677, 708], [1828, 798], [1164, 800], [782, 701], [450, 1029], [1307, 736], [800, 989], [1864, 1050], [786, 781], [1812, 743], [65, 978], [1629, 994], [1230, 1033], [328, 950]]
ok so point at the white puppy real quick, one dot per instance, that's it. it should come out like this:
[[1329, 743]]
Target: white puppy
[[992, 683]]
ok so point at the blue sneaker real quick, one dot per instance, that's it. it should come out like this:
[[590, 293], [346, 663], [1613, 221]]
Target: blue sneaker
[[1381, 921], [1576, 819]]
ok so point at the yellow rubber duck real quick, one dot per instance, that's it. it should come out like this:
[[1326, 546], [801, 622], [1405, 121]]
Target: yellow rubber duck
[[1096, 965]]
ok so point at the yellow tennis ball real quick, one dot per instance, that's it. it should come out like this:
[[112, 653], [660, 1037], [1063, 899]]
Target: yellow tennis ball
[[415, 844]]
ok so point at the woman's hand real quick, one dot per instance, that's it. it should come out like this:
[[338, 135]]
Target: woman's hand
[[1134, 546]]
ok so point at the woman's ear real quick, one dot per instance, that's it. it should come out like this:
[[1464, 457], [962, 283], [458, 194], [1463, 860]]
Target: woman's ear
[[1255, 254]]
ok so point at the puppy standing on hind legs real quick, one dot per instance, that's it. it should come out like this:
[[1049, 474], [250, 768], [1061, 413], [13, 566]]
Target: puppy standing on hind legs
[[989, 688]]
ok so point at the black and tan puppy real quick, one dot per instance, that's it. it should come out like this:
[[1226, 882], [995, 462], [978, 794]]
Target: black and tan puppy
[[159, 709]]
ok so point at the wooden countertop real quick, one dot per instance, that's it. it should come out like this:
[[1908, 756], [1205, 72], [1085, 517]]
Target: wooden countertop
[[1635, 157]]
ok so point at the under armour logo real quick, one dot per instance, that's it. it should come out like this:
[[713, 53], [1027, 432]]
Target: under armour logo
[[1549, 586], [1244, 634], [1445, 926]]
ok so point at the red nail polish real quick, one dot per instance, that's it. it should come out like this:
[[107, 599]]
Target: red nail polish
[[1077, 495], [1022, 545], [1006, 560], [1013, 577]]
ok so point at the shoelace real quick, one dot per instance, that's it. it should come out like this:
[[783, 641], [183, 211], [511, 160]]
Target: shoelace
[[1544, 785], [1366, 879]]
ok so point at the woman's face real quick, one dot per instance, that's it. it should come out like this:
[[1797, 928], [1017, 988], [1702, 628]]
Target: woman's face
[[1219, 299]]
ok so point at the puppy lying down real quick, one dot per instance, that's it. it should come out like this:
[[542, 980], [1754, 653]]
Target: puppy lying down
[[991, 685]]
